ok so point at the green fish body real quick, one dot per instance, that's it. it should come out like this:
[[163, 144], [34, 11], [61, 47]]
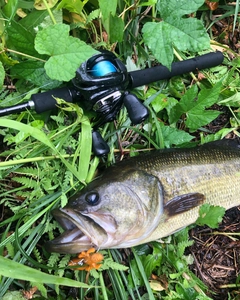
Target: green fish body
[[148, 197]]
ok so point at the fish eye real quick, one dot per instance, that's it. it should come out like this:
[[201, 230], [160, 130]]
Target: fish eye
[[92, 198]]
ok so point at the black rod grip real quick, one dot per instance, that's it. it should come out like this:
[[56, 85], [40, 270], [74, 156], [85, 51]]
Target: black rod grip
[[146, 76], [45, 101]]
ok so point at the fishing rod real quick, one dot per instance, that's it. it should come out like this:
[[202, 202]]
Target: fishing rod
[[102, 84]]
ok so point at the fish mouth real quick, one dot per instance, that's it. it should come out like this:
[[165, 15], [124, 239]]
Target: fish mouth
[[80, 233]]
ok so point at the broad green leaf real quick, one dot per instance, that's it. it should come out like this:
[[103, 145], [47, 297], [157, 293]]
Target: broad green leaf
[[234, 100], [175, 30], [10, 8], [176, 86], [2, 75], [210, 215], [216, 136], [157, 37], [108, 12], [179, 7], [14, 295], [116, 29], [160, 102], [194, 106], [196, 119], [34, 72], [197, 116], [184, 104], [151, 261], [57, 16], [67, 52], [107, 9], [16, 270], [21, 39], [174, 136], [33, 19], [72, 5]]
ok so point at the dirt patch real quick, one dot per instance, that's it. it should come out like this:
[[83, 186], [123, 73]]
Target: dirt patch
[[217, 256]]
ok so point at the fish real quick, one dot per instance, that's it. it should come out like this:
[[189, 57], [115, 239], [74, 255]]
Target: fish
[[148, 197]]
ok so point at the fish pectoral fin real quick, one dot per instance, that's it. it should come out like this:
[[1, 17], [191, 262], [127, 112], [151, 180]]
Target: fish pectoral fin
[[182, 203]]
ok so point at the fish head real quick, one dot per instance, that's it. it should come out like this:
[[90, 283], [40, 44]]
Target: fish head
[[115, 211]]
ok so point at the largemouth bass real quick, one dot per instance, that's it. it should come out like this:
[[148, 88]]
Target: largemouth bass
[[148, 197]]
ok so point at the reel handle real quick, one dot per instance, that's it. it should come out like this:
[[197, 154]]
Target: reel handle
[[136, 110], [99, 146]]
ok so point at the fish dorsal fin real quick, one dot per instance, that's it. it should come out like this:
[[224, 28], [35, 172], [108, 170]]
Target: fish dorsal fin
[[182, 203]]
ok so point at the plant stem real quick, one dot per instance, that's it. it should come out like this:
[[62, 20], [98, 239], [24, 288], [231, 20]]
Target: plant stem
[[23, 54], [27, 160], [227, 286], [191, 73], [92, 169], [49, 12]]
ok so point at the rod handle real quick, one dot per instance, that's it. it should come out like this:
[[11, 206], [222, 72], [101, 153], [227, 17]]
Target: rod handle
[[146, 76]]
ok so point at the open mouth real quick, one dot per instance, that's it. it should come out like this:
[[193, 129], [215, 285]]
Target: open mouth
[[81, 233]]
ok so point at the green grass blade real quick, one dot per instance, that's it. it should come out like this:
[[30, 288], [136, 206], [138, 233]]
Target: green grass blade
[[117, 285], [15, 270], [40, 136], [86, 149], [115, 254], [104, 292], [34, 132], [143, 274], [31, 221]]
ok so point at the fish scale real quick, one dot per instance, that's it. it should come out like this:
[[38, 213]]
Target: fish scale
[[213, 172], [148, 197]]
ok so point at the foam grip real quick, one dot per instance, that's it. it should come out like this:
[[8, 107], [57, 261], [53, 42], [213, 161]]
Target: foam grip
[[136, 110], [45, 101], [143, 77]]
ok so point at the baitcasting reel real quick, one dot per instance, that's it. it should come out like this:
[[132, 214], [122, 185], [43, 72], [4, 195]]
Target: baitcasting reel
[[103, 80], [102, 83]]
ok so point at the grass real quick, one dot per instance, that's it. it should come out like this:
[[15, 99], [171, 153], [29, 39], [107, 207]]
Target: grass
[[46, 157]]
